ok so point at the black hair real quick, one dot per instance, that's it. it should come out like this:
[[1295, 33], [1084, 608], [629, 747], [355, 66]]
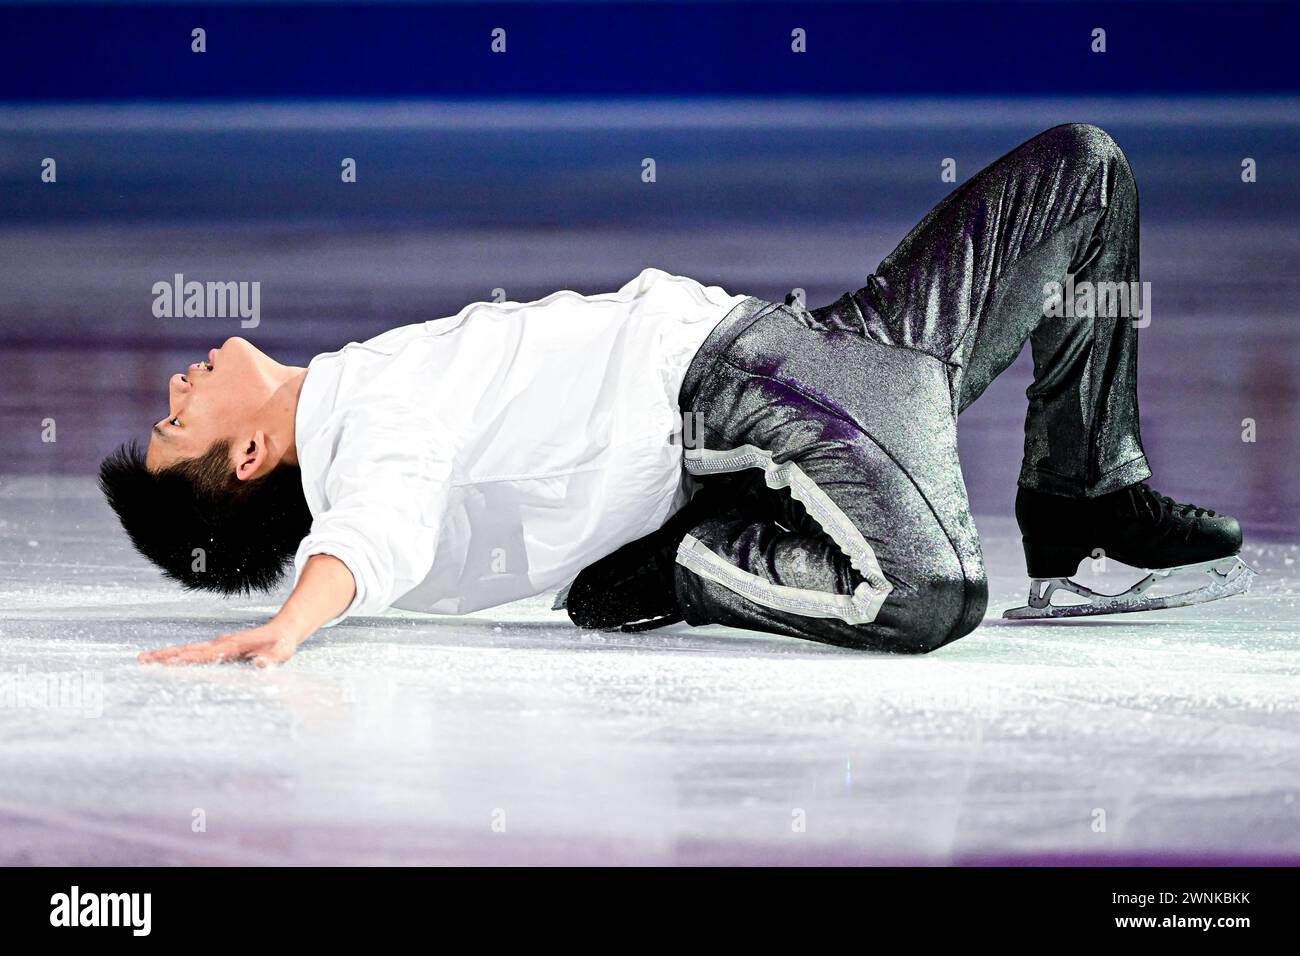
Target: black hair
[[203, 526]]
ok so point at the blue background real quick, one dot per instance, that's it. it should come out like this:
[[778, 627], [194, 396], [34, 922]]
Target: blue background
[[141, 51]]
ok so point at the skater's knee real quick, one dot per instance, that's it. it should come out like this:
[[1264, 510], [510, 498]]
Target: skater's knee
[[1091, 146], [1083, 139], [974, 601], [936, 612]]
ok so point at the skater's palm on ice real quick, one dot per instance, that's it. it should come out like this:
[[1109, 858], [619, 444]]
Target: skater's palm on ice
[[323, 592], [264, 646]]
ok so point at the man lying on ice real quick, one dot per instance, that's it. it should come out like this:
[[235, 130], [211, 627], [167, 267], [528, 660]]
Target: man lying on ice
[[517, 448]]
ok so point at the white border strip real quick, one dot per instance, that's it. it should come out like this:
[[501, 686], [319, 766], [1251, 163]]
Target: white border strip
[[636, 114]]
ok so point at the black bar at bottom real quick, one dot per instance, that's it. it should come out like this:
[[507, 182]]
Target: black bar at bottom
[[333, 907]]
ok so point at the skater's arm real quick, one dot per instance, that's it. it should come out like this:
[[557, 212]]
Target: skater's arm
[[324, 591]]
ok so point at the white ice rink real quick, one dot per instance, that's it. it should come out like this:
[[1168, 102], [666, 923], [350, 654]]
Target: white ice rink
[[512, 737]]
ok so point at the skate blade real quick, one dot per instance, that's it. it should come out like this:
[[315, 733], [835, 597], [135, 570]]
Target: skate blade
[[1227, 577]]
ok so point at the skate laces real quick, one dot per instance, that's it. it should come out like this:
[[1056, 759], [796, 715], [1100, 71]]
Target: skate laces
[[1159, 505]]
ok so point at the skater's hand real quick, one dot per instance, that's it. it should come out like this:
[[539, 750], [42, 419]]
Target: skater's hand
[[324, 592], [269, 644]]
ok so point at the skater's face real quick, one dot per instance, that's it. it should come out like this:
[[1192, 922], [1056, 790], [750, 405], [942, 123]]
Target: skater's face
[[220, 399]]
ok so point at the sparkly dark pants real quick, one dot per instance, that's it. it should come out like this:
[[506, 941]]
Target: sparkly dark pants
[[845, 518]]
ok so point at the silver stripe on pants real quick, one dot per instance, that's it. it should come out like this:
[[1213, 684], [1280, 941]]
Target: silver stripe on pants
[[860, 607]]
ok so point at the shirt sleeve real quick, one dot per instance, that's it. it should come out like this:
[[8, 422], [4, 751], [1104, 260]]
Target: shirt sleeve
[[386, 496]]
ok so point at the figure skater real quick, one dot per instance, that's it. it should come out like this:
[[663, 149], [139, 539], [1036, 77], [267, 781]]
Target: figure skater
[[671, 452]]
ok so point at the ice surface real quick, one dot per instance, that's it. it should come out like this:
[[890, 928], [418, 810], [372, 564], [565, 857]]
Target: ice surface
[[413, 739]]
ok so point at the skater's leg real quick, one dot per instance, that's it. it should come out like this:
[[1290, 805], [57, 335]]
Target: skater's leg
[[751, 573], [970, 284], [967, 286], [823, 514], [868, 542]]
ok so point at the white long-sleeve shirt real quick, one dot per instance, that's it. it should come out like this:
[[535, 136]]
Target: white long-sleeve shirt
[[474, 460]]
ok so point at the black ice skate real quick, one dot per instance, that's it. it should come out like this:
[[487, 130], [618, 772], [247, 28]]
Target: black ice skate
[[1136, 526], [632, 589]]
